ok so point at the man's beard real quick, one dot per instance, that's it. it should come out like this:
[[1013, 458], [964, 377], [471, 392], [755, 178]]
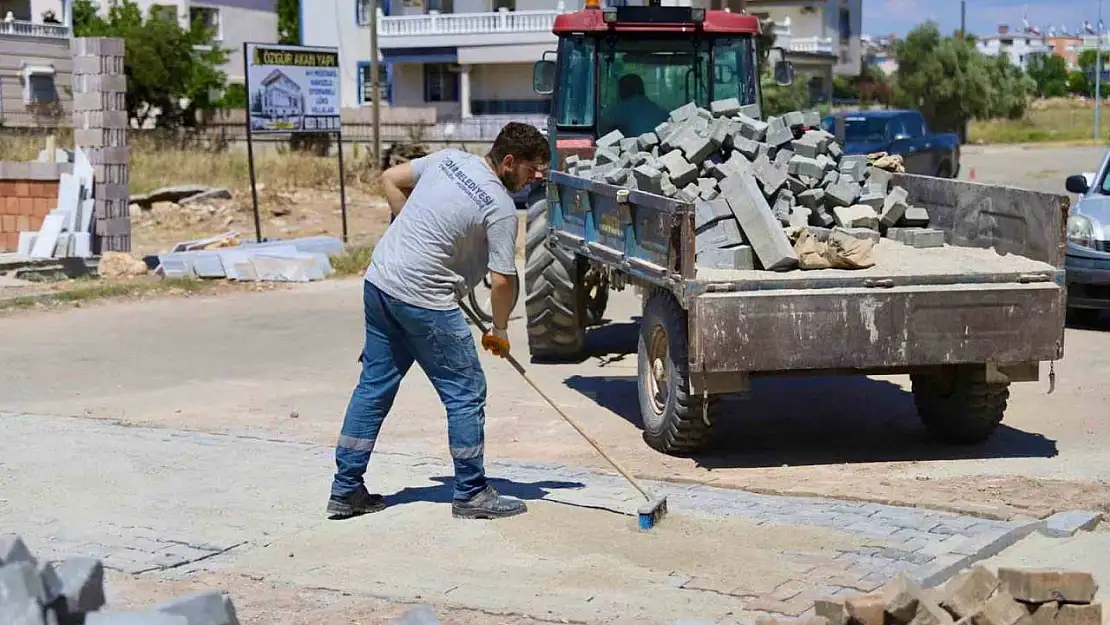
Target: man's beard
[[509, 179]]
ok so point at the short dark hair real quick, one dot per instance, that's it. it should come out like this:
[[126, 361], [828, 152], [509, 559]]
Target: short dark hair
[[523, 141]]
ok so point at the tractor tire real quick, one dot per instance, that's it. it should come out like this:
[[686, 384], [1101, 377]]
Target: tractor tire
[[958, 406], [675, 422], [556, 328]]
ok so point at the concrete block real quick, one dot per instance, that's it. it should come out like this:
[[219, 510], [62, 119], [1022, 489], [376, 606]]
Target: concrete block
[[684, 112], [704, 113], [894, 206], [879, 180], [829, 179], [902, 598], [719, 132], [689, 194], [772, 247], [19, 581], [778, 137], [107, 156], [680, 170], [80, 581], [1065, 524], [810, 182], [812, 119], [134, 618], [832, 609], [915, 216], [1044, 585], [663, 128], [648, 179], [709, 194], [725, 108], [822, 218], [668, 188], [84, 83], [85, 120], [696, 147], [674, 138], [854, 165], [827, 164], [841, 194], [964, 593], [753, 129], [819, 233], [782, 209], [771, 178], [856, 216], [835, 150], [13, 549], [737, 257], [617, 175], [705, 184], [647, 141], [863, 234], [203, 608], [22, 612], [801, 165], [732, 184], [812, 198], [865, 609], [805, 147], [1066, 614], [629, 144], [782, 158], [923, 238], [738, 163], [794, 119], [610, 140], [606, 156], [795, 184], [419, 615], [1000, 609], [720, 233], [874, 200], [751, 110], [799, 216], [100, 138]]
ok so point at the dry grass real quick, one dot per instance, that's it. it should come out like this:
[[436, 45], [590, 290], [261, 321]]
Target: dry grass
[[1061, 120], [159, 163], [353, 261], [90, 289]]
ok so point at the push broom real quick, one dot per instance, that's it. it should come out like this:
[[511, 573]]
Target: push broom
[[653, 508]]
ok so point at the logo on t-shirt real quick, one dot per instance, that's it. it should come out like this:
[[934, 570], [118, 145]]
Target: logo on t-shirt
[[472, 189]]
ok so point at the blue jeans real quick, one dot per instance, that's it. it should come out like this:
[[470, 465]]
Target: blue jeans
[[397, 334]]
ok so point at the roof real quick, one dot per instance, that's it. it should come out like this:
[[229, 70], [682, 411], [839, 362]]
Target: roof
[[591, 20]]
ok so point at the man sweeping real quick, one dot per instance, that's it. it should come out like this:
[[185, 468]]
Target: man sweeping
[[455, 222]]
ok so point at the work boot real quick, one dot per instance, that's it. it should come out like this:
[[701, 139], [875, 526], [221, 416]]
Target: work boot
[[488, 504], [354, 504]]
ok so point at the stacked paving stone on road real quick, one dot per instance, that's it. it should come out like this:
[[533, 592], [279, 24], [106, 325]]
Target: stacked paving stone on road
[[71, 592], [757, 184], [100, 128], [973, 597]]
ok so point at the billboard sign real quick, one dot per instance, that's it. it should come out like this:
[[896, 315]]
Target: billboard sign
[[292, 88]]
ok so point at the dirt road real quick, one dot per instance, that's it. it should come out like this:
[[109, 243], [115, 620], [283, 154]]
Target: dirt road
[[271, 372]]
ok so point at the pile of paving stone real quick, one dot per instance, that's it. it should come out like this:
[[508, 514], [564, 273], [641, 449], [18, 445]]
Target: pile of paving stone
[[974, 597], [761, 186], [71, 592]]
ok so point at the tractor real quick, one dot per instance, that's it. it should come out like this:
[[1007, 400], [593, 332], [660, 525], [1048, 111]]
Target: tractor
[[621, 68]]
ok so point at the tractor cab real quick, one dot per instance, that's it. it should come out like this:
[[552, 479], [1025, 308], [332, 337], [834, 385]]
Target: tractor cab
[[625, 68]]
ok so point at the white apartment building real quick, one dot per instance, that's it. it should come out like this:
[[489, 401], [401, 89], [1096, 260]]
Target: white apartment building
[[1019, 46]]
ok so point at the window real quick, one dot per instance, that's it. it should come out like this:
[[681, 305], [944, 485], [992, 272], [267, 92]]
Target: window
[[362, 11], [209, 18], [732, 60], [845, 24], [643, 79], [164, 11], [440, 83], [365, 85], [508, 5], [866, 130], [574, 104], [441, 6]]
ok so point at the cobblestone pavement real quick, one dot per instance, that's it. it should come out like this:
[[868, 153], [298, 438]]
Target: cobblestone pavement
[[176, 503]]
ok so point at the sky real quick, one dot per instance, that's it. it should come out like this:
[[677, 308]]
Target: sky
[[883, 17]]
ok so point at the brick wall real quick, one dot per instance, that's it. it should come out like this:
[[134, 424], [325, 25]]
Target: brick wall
[[28, 191]]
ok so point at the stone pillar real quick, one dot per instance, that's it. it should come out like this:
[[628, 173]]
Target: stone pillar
[[100, 130], [464, 91]]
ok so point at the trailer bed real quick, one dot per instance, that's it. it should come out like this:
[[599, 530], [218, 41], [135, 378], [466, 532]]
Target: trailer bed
[[902, 265]]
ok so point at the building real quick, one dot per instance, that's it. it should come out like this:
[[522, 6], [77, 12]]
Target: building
[[474, 58], [1019, 46], [280, 96], [35, 64], [1066, 47]]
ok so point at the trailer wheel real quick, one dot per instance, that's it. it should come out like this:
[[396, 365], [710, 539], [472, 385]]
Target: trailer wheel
[[958, 406], [555, 322], [675, 422]]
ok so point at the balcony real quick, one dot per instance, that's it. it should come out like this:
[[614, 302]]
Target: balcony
[[784, 37], [21, 28], [435, 29]]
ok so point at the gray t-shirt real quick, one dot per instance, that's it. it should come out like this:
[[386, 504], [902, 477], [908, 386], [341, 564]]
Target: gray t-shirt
[[458, 224]]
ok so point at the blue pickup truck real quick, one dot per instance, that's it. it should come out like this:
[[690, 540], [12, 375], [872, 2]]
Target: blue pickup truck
[[899, 132]]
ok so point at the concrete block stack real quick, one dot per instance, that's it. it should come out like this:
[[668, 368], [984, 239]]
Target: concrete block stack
[[100, 128], [756, 185], [71, 592], [973, 597]]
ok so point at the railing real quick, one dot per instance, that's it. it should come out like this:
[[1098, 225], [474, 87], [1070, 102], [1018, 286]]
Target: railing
[[784, 36], [32, 29], [434, 23]]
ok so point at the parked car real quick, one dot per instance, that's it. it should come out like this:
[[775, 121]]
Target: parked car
[[901, 132], [1087, 263]]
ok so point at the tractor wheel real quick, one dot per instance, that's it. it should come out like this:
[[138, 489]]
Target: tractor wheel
[[958, 406], [556, 324], [675, 422]]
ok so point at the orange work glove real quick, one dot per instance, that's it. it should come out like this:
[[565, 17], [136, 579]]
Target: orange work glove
[[496, 341]]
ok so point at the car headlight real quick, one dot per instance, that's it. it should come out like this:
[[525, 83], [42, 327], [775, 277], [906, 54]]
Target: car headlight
[[1081, 230]]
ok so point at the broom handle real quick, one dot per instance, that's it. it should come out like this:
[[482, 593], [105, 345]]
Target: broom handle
[[573, 423]]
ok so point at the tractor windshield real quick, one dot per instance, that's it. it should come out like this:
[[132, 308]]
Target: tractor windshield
[[631, 85]]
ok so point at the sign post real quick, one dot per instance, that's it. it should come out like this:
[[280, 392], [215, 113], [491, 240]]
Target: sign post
[[292, 90]]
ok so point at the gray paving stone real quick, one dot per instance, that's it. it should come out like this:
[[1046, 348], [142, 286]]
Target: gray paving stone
[[13, 549], [684, 112], [610, 140], [736, 257], [915, 216], [721, 233], [202, 608], [1065, 524], [752, 128]]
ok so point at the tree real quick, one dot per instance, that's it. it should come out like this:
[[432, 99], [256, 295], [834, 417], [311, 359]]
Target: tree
[[1087, 60], [1079, 84], [778, 99], [289, 25], [951, 82], [1050, 72], [172, 72]]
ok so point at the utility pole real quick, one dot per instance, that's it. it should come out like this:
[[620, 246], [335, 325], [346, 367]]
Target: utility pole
[[375, 83], [1098, 73], [963, 19]]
